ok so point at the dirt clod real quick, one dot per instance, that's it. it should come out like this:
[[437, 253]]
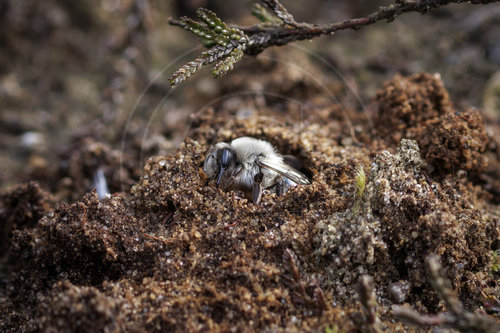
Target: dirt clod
[[418, 107]]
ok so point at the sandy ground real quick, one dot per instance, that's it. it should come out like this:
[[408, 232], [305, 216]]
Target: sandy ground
[[84, 88]]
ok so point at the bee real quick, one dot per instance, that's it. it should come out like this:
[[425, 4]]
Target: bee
[[252, 165]]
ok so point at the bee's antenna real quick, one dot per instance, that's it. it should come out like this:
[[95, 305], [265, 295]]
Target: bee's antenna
[[224, 160], [221, 171]]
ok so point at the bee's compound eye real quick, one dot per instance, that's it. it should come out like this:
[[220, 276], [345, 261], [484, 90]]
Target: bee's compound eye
[[225, 157], [208, 162]]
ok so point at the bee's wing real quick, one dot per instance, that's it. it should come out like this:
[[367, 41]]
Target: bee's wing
[[284, 170]]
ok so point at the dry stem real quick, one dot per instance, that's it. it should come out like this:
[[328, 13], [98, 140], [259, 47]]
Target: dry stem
[[456, 317]]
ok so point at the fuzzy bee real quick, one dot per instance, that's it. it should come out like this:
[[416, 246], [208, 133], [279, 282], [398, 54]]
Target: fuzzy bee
[[251, 165]]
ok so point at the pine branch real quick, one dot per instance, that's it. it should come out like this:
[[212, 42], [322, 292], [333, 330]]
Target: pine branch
[[206, 58], [280, 36], [264, 15], [280, 28], [225, 65], [281, 12], [197, 28], [226, 45]]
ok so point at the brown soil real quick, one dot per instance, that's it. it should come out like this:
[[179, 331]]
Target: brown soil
[[169, 251], [179, 253]]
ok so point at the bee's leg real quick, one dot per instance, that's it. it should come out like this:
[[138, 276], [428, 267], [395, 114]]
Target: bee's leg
[[236, 172], [280, 187], [257, 187]]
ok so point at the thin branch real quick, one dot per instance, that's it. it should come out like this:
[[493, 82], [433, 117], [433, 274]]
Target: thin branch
[[456, 317], [367, 298], [277, 31], [282, 35], [164, 241], [306, 291], [416, 318]]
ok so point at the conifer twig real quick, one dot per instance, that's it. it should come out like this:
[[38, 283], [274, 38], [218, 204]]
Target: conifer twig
[[277, 28]]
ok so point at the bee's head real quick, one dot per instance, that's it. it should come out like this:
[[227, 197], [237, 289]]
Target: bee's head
[[220, 160]]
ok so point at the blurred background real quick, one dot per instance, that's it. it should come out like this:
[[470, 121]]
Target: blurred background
[[84, 83]]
